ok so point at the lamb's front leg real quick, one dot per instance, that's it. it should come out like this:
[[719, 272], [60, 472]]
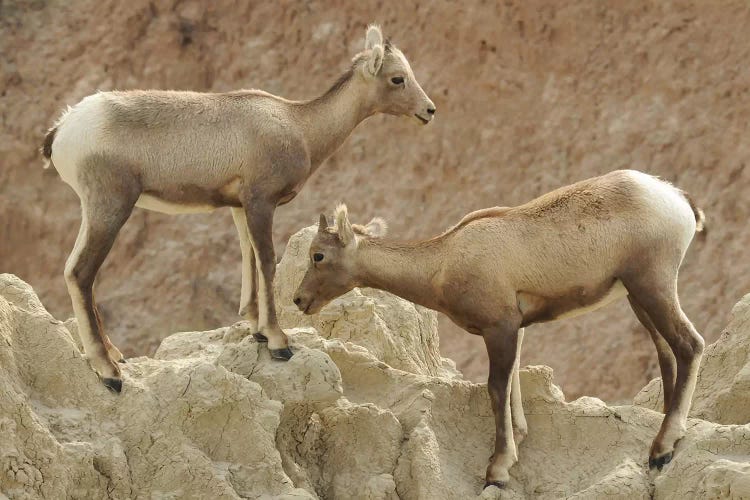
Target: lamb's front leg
[[249, 292], [259, 216], [502, 344]]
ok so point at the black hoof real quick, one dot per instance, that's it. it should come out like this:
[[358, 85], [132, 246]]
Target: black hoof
[[284, 354], [498, 484], [122, 360], [260, 337], [113, 384], [660, 462]]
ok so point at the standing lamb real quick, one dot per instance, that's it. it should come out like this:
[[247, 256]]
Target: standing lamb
[[500, 269], [181, 152]]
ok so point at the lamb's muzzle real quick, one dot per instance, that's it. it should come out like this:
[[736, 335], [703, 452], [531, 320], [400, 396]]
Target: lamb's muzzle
[[304, 304]]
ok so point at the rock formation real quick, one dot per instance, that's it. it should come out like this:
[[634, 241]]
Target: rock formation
[[367, 409]]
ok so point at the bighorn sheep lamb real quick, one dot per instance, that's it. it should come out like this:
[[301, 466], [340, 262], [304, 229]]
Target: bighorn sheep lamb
[[500, 269], [178, 152]]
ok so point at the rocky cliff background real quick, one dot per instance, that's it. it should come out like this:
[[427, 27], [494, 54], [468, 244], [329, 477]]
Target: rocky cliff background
[[531, 95]]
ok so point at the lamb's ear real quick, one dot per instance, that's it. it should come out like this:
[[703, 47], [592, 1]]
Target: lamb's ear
[[343, 226], [373, 37], [322, 223], [375, 60], [377, 227]]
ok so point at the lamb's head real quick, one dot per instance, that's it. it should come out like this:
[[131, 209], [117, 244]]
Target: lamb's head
[[393, 87], [331, 270]]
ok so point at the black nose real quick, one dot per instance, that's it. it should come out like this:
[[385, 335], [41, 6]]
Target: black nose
[[297, 301], [430, 111]]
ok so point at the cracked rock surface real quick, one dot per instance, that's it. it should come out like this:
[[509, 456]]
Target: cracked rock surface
[[366, 408]]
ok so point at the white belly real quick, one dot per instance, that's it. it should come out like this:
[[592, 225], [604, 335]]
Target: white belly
[[149, 202], [617, 291]]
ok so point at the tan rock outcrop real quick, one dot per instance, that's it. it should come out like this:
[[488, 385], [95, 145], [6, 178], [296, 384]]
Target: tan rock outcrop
[[212, 416], [186, 426]]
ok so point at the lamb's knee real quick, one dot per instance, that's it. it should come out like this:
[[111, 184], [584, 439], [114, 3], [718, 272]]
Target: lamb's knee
[[268, 270], [77, 276], [72, 274], [691, 345], [697, 343]]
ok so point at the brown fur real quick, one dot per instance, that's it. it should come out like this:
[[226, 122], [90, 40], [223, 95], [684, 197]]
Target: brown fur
[[501, 269], [179, 152], [342, 80], [479, 214], [539, 309]]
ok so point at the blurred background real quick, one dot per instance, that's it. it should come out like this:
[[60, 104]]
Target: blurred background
[[530, 95]]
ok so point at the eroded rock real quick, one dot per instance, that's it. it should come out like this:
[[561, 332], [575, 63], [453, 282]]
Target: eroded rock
[[214, 416]]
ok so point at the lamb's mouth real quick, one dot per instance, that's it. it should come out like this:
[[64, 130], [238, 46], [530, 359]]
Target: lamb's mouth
[[423, 120]]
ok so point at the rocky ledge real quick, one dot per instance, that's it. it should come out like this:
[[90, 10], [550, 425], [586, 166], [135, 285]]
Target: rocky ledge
[[366, 409]]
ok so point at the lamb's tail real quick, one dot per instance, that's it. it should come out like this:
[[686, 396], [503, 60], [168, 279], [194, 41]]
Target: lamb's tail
[[46, 148], [700, 217]]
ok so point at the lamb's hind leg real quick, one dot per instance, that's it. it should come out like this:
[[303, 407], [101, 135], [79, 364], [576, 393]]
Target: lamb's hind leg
[[667, 363], [103, 214], [249, 292], [659, 300]]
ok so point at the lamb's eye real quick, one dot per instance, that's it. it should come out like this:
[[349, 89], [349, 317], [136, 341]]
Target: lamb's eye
[[397, 80], [317, 257]]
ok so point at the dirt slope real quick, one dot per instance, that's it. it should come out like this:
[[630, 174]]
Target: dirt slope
[[530, 95]]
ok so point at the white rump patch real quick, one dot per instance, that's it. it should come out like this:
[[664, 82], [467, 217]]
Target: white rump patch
[[669, 203], [79, 131]]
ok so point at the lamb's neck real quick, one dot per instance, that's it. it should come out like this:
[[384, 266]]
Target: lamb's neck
[[328, 120], [407, 270]]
